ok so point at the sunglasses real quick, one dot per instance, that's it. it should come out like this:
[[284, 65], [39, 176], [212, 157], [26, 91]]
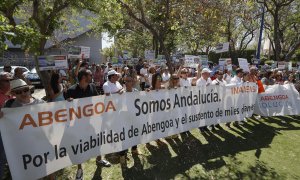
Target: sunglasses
[[183, 72], [22, 91], [176, 78]]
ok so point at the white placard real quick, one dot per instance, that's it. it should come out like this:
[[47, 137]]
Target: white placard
[[243, 63], [222, 47]]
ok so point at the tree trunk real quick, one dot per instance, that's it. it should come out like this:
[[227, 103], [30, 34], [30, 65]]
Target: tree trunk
[[277, 36], [44, 75], [166, 52]]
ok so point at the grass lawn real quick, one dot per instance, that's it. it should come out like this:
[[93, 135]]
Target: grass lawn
[[268, 148]]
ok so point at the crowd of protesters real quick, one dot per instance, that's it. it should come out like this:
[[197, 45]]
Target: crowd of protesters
[[84, 80]]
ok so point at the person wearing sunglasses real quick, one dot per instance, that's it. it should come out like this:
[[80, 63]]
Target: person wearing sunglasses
[[219, 79], [21, 91], [174, 82], [129, 87]]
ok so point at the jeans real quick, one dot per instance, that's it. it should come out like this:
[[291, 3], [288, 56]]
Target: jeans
[[2, 158]]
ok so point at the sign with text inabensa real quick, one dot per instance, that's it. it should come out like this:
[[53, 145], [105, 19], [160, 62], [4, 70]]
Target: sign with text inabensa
[[41, 139]]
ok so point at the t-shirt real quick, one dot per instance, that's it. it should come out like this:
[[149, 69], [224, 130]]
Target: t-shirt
[[165, 77], [218, 82], [235, 80], [203, 82], [76, 92], [185, 82], [109, 87], [144, 72]]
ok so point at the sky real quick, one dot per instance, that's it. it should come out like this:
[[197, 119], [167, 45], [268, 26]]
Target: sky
[[106, 41]]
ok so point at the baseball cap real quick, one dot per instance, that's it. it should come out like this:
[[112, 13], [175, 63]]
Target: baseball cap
[[205, 70], [112, 72]]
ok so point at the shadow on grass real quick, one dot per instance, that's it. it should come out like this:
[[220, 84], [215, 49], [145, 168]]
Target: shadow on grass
[[252, 135]]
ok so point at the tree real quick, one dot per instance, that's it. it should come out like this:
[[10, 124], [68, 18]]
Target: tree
[[283, 27], [44, 17]]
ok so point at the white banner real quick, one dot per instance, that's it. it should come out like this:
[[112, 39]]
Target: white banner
[[278, 100], [41, 139]]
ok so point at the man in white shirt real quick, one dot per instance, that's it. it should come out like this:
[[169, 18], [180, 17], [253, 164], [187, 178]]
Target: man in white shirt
[[143, 75], [112, 86], [204, 80], [219, 80], [237, 79], [184, 80]]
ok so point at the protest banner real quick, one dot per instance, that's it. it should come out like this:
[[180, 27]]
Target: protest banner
[[53, 62], [222, 47], [41, 139], [278, 100], [243, 63], [281, 65]]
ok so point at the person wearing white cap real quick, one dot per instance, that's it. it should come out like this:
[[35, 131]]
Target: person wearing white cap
[[204, 80], [112, 86]]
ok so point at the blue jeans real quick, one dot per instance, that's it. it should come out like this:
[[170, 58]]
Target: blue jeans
[[2, 158]]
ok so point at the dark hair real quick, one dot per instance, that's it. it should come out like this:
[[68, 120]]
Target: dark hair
[[110, 76], [83, 72], [239, 70], [154, 79], [54, 82]]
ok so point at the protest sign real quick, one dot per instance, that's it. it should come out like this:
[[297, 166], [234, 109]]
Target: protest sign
[[204, 61], [191, 61], [149, 55], [243, 63], [222, 47], [41, 139], [53, 62], [290, 66], [222, 64], [278, 100], [281, 65], [229, 64]]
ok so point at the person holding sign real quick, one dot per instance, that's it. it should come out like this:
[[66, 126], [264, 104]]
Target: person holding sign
[[129, 86], [21, 91], [81, 90]]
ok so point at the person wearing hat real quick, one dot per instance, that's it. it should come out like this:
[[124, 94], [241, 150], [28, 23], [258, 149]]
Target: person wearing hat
[[112, 86], [21, 91], [204, 80], [5, 77]]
